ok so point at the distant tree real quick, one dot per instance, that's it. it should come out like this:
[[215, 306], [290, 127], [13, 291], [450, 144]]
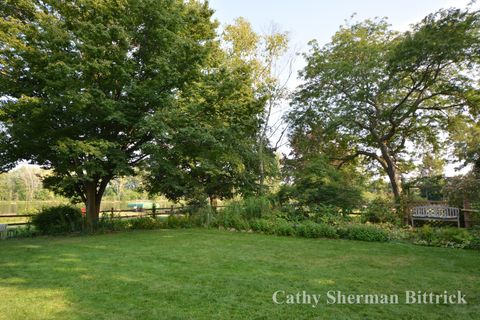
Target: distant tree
[[30, 177], [371, 91], [81, 81]]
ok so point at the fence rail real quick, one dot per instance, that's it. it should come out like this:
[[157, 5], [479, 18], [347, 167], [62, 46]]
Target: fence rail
[[140, 213]]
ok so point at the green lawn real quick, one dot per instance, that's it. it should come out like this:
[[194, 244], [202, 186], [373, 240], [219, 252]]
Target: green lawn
[[201, 274]]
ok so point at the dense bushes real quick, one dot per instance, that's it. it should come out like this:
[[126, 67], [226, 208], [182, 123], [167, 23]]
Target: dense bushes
[[258, 215], [363, 232], [144, 223], [380, 211], [445, 237], [317, 181], [58, 220], [310, 229]]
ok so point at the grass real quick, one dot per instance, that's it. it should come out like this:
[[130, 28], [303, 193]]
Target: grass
[[209, 274]]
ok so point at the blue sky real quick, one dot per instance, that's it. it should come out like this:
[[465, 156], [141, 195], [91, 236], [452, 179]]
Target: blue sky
[[320, 19], [310, 19]]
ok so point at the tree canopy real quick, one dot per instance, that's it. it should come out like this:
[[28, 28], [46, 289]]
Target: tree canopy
[[81, 81], [373, 92]]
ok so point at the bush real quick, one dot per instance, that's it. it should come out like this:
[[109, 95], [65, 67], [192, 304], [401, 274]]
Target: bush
[[282, 227], [249, 209], [24, 232], [58, 220], [261, 225], [310, 229], [144, 223], [318, 181], [380, 211], [177, 222], [203, 217], [256, 208], [328, 214], [232, 217], [363, 232], [445, 237]]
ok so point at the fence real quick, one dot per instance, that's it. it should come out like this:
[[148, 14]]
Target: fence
[[113, 213]]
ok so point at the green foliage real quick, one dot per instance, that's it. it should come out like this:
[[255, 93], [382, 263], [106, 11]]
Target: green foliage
[[213, 151], [256, 207], [175, 221], [317, 182], [247, 209], [363, 232], [445, 237], [83, 81], [371, 91], [463, 187], [282, 227], [203, 217], [58, 220], [310, 229], [327, 214], [232, 218], [262, 225], [380, 211], [144, 223]]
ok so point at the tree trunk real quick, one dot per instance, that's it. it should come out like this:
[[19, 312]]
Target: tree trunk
[[93, 191], [213, 202], [395, 183], [262, 166], [388, 163], [92, 204]]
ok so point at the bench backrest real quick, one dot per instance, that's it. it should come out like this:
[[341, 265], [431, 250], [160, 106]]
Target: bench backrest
[[435, 211]]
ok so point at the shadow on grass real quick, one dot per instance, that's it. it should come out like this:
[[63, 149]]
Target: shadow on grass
[[220, 275]]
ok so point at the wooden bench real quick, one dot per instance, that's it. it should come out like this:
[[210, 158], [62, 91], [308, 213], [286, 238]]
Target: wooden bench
[[3, 231], [436, 213]]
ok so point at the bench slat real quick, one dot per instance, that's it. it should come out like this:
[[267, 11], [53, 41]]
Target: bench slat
[[435, 212]]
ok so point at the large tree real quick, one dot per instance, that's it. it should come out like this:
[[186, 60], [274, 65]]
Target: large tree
[[270, 62], [211, 134], [81, 80], [373, 92]]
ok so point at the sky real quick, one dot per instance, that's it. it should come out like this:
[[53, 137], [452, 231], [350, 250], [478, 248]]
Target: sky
[[306, 20]]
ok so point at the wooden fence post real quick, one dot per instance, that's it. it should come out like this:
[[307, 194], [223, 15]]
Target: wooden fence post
[[466, 214], [111, 217], [154, 211]]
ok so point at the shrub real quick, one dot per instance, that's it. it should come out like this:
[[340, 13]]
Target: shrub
[[380, 211], [310, 229], [282, 227], [24, 232], [232, 217], [445, 237], [256, 208], [58, 220], [261, 225], [203, 217], [327, 214], [363, 232], [177, 222], [318, 181], [144, 223]]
